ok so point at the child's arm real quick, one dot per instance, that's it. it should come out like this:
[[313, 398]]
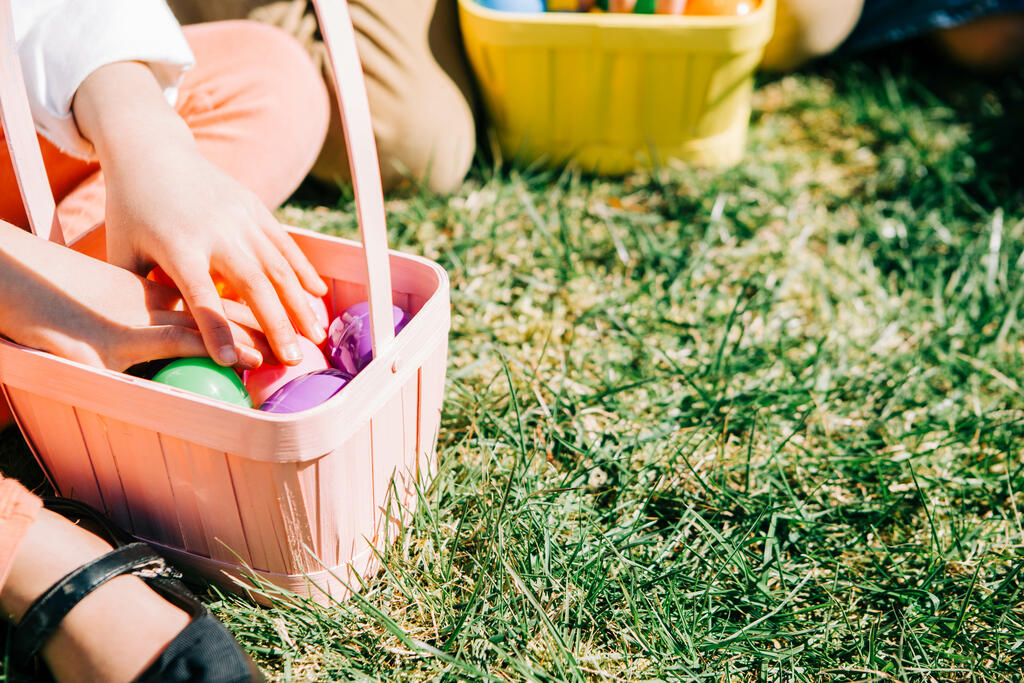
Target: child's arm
[[169, 206], [60, 301]]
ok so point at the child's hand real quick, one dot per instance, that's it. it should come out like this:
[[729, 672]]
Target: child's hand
[[174, 209], [79, 308], [169, 206]]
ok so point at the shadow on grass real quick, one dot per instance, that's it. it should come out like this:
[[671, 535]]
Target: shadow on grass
[[916, 76]]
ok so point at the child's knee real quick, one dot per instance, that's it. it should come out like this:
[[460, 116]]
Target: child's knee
[[991, 43], [431, 141], [256, 103], [426, 134], [265, 77], [805, 29], [295, 80]]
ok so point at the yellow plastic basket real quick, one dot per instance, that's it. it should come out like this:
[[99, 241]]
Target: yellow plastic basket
[[616, 91]]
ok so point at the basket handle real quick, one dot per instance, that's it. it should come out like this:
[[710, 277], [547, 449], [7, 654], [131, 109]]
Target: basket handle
[[350, 87], [339, 37], [21, 138]]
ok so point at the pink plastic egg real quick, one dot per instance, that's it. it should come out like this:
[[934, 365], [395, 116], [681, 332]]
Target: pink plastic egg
[[267, 378], [349, 343]]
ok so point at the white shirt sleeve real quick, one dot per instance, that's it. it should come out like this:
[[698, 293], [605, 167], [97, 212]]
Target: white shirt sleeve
[[61, 42]]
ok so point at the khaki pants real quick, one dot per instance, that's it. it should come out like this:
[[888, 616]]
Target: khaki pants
[[416, 76]]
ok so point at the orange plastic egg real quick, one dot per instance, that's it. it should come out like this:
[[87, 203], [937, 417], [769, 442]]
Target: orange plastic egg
[[225, 290], [159, 276], [710, 8]]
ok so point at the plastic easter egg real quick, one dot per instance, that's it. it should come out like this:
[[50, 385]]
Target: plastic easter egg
[[728, 8], [158, 275], [224, 290], [203, 376], [640, 6], [670, 7], [267, 378], [514, 5], [308, 391], [349, 342]]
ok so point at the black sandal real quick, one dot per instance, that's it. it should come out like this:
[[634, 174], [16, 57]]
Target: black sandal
[[203, 651]]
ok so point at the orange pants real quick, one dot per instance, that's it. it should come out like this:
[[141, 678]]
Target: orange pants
[[256, 104]]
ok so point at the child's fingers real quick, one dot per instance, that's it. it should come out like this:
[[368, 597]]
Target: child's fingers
[[162, 294], [255, 347], [305, 271], [246, 330], [178, 341], [161, 341], [292, 294], [250, 344], [256, 289], [240, 313], [205, 305], [172, 317], [621, 5]]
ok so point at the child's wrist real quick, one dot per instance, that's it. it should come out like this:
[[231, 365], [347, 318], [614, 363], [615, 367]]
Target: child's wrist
[[121, 110]]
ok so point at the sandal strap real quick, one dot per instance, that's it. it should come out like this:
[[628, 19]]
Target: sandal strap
[[45, 614], [77, 511]]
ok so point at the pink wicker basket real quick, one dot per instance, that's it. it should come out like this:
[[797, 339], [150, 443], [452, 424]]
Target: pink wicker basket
[[300, 500]]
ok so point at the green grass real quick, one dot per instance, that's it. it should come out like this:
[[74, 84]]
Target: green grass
[[756, 424]]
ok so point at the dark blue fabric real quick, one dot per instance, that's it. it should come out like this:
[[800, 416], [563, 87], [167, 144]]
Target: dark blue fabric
[[889, 21], [204, 652]]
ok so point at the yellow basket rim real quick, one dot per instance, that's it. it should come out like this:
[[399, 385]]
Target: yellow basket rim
[[645, 22]]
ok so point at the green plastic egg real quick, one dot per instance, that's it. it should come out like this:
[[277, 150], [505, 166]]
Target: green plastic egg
[[641, 7], [203, 376]]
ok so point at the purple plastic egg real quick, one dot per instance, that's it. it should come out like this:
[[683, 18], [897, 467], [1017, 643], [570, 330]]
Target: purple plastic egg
[[349, 343], [307, 391]]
